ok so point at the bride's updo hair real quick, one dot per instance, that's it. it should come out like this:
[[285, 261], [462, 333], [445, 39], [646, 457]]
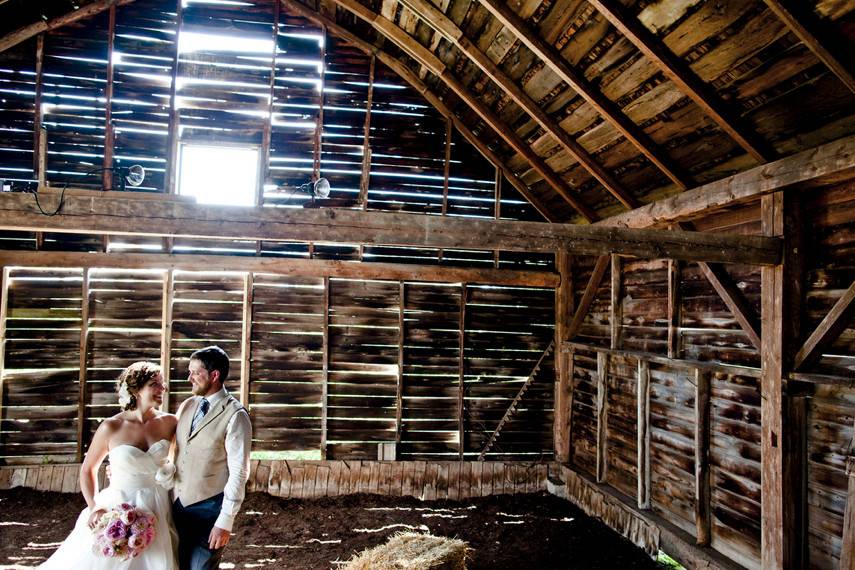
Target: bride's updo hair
[[132, 379]]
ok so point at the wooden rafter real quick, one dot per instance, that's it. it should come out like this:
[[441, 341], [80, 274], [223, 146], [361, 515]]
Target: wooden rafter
[[806, 26], [425, 57], [279, 266], [512, 408], [834, 323], [416, 83], [684, 78], [832, 162], [604, 106], [588, 296], [23, 34], [436, 18], [93, 214]]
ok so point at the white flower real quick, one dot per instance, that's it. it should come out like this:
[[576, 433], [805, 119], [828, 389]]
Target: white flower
[[124, 395], [165, 476]]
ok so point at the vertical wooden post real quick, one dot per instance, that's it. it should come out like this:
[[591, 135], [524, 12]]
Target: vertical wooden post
[[643, 443], [4, 313], [267, 133], [399, 388], [783, 465], [38, 136], [319, 129], [497, 213], [461, 369], [449, 126], [847, 553], [702, 457], [84, 353], [109, 134], [563, 314], [675, 271], [246, 339], [602, 416], [326, 368], [169, 181], [166, 335], [616, 304], [365, 177]]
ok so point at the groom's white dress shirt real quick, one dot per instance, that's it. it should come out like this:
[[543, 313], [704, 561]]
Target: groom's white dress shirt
[[238, 444]]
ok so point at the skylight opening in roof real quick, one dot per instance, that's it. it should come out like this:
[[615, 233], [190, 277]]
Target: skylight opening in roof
[[221, 175]]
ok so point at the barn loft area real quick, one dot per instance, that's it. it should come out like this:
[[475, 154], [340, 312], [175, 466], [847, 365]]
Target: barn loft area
[[454, 248]]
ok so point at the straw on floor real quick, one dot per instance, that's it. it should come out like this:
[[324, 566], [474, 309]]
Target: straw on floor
[[413, 551]]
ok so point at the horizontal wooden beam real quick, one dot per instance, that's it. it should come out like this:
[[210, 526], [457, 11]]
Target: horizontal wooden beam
[[126, 216], [279, 266], [832, 162], [23, 34]]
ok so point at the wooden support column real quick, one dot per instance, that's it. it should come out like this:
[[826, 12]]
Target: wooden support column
[[365, 177], [4, 312], [847, 552], [83, 392], [563, 365], [461, 369], [783, 486], [319, 128], [39, 138], [702, 457], [169, 181], [326, 368], [643, 443], [399, 388], [109, 135], [616, 302], [602, 416], [497, 213], [246, 340], [166, 336], [449, 125], [267, 133], [675, 272]]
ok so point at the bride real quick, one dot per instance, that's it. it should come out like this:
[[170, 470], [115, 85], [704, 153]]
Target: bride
[[137, 441]]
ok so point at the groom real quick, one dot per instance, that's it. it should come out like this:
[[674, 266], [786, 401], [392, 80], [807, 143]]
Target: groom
[[212, 445]]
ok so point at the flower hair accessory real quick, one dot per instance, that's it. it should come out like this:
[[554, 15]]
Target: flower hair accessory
[[123, 532], [124, 395]]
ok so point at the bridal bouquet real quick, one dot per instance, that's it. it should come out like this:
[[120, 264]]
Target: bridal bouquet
[[123, 532]]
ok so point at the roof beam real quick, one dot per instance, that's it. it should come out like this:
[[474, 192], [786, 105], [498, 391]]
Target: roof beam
[[125, 215], [407, 75], [807, 27], [436, 19], [684, 78], [23, 34], [428, 59], [280, 266], [832, 162], [604, 106]]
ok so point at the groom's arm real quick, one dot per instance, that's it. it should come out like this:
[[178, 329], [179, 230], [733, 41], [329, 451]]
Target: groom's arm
[[238, 443]]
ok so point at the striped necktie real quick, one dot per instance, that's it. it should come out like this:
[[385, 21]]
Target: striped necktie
[[200, 413]]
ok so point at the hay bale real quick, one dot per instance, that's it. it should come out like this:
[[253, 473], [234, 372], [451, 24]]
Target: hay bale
[[413, 551]]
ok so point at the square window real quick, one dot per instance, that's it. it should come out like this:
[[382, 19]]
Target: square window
[[222, 175]]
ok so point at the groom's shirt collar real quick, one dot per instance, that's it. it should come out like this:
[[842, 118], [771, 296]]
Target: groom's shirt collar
[[215, 398]]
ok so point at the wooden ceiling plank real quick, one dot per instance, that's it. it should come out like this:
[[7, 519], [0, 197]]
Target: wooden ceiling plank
[[435, 18], [834, 323], [416, 83], [831, 161], [126, 216], [280, 266], [421, 54], [682, 76], [804, 25], [604, 106], [23, 34]]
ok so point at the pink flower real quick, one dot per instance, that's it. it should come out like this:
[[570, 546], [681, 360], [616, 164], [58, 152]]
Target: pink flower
[[136, 541], [124, 532], [116, 530]]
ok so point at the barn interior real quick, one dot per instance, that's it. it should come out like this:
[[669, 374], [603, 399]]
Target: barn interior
[[454, 248]]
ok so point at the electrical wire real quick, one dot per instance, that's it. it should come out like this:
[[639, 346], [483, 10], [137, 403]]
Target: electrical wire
[[58, 207]]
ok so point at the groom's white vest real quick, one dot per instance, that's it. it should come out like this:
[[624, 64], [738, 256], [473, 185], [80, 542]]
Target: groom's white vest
[[200, 459]]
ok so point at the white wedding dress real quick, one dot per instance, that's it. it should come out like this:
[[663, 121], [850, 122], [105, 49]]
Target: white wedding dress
[[140, 478]]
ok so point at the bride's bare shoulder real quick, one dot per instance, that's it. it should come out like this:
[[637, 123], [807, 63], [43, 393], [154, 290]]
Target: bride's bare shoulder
[[167, 418]]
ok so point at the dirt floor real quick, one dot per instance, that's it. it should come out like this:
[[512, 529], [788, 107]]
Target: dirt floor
[[504, 532]]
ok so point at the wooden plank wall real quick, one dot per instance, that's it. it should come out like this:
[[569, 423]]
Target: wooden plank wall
[[709, 338], [321, 367], [425, 480]]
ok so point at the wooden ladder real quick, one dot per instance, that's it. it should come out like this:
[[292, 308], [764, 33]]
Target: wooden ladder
[[513, 407]]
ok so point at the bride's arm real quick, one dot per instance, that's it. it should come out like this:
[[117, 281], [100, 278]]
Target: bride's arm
[[98, 449]]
